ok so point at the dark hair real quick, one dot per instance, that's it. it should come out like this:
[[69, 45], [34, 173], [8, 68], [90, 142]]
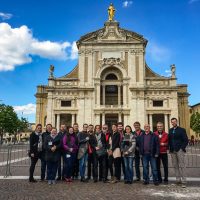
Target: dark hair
[[75, 123], [38, 125], [90, 125], [96, 126], [49, 125], [174, 119], [128, 127], [120, 123], [115, 124], [85, 124], [138, 123]]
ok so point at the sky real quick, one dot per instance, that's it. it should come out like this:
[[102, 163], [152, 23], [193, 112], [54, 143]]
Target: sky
[[35, 34]]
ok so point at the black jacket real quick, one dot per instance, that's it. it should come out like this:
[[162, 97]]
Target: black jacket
[[50, 142], [33, 140], [177, 140], [137, 137], [93, 141], [115, 141], [154, 144]]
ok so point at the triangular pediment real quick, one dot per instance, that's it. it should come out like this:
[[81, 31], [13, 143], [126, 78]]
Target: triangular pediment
[[112, 33]]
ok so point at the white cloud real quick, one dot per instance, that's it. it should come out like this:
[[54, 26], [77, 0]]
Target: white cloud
[[5, 16], [126, 4], [74, 51], [25, 109], [192, 1], [158, 52], [17, 45]]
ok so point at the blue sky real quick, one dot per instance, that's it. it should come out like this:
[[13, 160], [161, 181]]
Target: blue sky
[[35, 34]]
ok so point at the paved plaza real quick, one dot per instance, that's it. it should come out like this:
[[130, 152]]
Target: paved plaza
[[18, 187], [23, 190]]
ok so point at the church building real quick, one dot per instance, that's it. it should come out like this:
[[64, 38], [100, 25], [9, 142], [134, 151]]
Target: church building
[[110, 83]]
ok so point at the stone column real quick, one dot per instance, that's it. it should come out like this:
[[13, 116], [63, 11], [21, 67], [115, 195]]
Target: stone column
[[97, 118], [166, 123], [98, 94], [103, 119], [119, 95], [103, 92], [151, 121], [119, 117], [124, 95], [58, 122], [73, 119]]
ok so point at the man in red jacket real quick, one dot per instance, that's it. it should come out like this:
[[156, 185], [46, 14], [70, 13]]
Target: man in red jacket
[[163, 137]]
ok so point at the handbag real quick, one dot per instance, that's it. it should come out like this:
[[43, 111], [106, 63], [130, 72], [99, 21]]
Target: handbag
[[117, 153]]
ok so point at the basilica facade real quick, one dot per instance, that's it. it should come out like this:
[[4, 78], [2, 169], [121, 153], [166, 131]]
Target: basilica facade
[[111, 83]]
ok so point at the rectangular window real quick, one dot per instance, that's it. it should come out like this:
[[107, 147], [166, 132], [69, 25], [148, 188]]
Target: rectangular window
[[157, 103], [66, 103]]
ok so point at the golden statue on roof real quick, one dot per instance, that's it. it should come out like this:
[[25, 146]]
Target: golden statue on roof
[[111, 12]]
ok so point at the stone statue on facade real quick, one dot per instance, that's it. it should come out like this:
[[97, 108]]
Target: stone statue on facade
[[51, 71], [111, 12], [173, 71]]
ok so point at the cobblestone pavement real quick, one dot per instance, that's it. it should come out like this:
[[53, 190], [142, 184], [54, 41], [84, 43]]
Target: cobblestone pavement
[[23, 190]]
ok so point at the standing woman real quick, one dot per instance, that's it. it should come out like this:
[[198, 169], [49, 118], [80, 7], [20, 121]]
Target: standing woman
[[99, 155], [116, 153], [70, 146], [52, 146], [35, 150], [128, 150]]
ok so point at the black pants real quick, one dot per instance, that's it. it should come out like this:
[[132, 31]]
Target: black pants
[[99, 164], [90, 165], [117, 165], [137, 165], [76, 167], [32, 167], [164, 158], [123, 167], [61, 166], [109, 165], [43, 167]]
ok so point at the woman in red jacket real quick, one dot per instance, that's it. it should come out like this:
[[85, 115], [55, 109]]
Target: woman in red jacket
[[163, 137]]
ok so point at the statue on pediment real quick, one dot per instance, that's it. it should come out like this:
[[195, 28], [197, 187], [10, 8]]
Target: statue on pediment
[[111, 12]]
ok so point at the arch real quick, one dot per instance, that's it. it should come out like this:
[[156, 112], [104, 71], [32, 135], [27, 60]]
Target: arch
[[111, 76], [123, 72]]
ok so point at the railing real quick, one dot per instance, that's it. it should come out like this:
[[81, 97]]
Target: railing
[[14, 161]]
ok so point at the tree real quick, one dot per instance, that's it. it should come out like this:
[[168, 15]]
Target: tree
[[9, 121], [195, 122]]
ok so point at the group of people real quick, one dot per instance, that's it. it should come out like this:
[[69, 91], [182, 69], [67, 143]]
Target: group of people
[[104, 152]]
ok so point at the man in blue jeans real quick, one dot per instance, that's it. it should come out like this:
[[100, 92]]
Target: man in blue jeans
[[83, 139], [149, 151]]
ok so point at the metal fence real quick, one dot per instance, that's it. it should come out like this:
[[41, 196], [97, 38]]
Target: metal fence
[[14, 161]]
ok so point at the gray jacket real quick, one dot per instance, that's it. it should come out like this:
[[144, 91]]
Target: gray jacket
[[128, 145]]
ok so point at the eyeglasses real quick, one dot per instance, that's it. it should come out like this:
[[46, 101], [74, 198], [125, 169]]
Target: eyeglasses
[[104, 127]]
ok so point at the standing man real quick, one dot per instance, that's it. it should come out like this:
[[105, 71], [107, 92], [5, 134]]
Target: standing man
[[163, 138], [149, 151], [138, 131], [107, 134], [83, 140], [76, 164], [178, 142], [61, 162], [35, 150], [43, 160], [120, 128], [90, 165]]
